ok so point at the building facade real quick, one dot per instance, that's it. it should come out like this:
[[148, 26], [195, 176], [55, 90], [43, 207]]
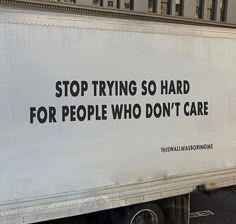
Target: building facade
[[214, 10]]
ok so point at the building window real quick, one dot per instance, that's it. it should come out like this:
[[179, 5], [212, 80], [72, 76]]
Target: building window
[[129, 4], [152, 6], [165, 7], [211, 10], [95, 2], [110, 4], [72, 1], [118, 4], [200, 9], [223, 10], [98, 2], [179, 8]]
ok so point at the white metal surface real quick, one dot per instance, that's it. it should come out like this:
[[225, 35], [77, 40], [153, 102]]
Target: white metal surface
[[61, 169]]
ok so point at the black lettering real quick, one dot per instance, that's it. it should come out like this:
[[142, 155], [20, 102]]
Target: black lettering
[[179, 87], [127, 111], [81, 113], [66, 83], [164, 87], [132, 88], [166, 109], [193, 110], [65, 112], [91, 112], [200, 108], [116, 88], [32, 114], [177, 105], [186, 87], [52, 115], [104, 112], [58, 89], [42, 115], [117, 111], [172, 88], [137, 111], [205, 108], [84, 87], [152, 88], [95, 83], [123, 88], [110, 86], [144, 88], [72, 113], [148, 110], [186, 107], [157, 110], [102, 87], [74, 88]]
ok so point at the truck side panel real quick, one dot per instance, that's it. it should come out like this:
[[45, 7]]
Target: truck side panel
[[53, 142]]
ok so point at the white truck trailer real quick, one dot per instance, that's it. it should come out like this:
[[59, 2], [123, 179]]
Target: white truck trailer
[[103, 113]]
